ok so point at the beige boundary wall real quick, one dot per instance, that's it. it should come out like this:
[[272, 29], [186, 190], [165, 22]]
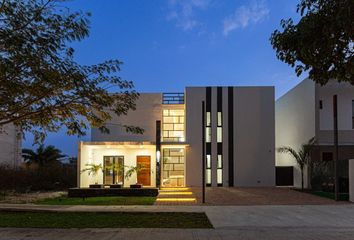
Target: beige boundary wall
[[10, 146]]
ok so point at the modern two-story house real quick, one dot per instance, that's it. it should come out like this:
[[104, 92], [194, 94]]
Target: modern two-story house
[[306, 111], [239, 140]]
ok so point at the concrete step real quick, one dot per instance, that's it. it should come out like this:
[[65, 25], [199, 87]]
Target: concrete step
[[178, 199], [168, 193], [180, 189], [176, 195]]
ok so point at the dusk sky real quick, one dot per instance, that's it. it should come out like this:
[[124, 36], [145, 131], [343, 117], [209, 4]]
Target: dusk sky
[[169, 44]]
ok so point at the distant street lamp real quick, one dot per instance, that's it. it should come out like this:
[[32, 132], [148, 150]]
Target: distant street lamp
[[335, 135]]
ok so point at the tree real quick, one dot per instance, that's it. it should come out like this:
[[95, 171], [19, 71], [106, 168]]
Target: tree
[[42, 87], [43, 155], [302, 157], [321, 42]]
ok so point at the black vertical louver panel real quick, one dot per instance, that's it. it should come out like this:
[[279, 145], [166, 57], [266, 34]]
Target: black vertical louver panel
[[231, 134]]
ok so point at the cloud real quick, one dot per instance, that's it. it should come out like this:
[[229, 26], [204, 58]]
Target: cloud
[[245, 15], [183, 12]]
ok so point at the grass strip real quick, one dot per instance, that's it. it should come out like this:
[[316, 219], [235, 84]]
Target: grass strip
[[104, 220]]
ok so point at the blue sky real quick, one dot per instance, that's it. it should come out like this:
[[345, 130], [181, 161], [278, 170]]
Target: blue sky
[[169, 44]]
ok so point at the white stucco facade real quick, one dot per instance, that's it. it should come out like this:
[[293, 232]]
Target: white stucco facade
[[253, 136], [10, 146], [148, 111], [252, 144], [295, 123], [306, 111]]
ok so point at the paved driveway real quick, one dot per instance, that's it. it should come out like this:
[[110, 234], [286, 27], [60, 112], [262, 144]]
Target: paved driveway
[[240, 196], [260, 196]]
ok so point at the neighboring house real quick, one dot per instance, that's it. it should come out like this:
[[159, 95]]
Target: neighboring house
[[239, 139], [10, 146], [306, 111]]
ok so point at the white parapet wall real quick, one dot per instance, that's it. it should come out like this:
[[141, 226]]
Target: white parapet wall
[[351, 180]]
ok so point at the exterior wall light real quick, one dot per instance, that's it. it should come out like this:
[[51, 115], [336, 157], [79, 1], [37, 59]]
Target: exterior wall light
[[158, 155]]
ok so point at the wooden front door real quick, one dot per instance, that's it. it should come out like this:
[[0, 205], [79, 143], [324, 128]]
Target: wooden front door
[[144, 174]]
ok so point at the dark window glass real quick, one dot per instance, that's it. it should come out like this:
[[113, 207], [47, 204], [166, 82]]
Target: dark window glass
[[321, 104], [327, 156], [352, 114], [113, 169]]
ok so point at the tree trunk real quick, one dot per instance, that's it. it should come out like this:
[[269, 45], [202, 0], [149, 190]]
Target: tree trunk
[[309, 176], [302, 179]]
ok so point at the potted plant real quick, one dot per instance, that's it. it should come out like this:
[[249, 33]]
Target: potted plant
[[93, 169], [130, 172], [117, 168]]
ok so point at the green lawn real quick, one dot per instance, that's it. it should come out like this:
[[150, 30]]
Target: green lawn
[[98, 201], [330, 195], [104, 220]]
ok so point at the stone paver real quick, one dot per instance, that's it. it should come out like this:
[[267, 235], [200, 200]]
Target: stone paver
[[260, 196]]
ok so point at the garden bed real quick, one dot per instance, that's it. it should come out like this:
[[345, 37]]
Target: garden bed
[[325, 194], [110, 200], [330, 195], [100, 192], [30, 197]]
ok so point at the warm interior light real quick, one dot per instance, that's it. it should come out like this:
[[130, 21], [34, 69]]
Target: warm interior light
[[175, 188], [175, 193], [176, 199], [158, 155]]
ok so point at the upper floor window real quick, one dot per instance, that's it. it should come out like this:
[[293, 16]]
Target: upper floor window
[[208, 119], [219, 128], [219, 134], [173, 125], [208, 127], [321, 104], [219, 119]]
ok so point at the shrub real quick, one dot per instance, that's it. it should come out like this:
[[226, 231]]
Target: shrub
[[56, 176]]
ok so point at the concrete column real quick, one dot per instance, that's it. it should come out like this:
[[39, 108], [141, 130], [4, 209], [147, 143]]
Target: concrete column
[[351, 180]]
